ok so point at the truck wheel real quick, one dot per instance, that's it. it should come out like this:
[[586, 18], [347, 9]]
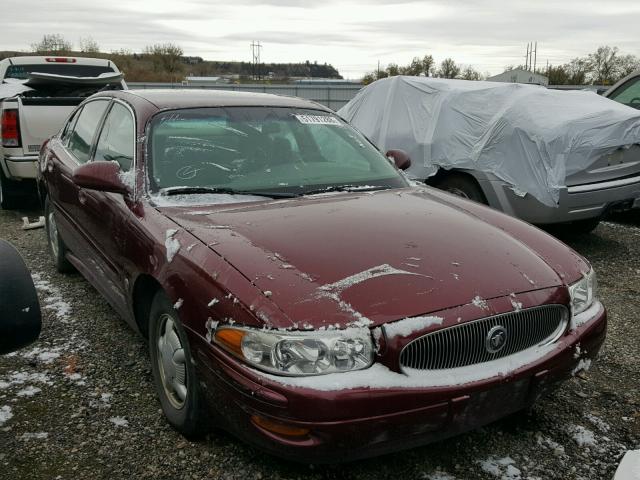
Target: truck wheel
[[56, 246], [463, 186], [174, 373], [8, 192]]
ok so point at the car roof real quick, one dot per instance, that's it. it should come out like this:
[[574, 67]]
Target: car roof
[[199, 97]]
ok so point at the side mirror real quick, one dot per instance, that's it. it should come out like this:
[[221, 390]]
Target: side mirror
[[100, 176], [20, 316], [400, 158]]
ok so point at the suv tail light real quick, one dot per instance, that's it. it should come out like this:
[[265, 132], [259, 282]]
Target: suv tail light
[[10, 128]]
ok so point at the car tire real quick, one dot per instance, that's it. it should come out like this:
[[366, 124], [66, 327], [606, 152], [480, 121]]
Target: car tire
[[9, 198], [463, 186], [174, 373], [57, 247]]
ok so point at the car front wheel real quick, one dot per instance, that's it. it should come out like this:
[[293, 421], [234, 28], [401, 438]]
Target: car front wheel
[[173, 370]]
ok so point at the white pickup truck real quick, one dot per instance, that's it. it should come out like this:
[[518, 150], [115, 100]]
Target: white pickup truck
[[36, 96]]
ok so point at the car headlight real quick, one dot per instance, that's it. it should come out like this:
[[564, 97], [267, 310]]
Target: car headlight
[[299, 353], [583, 293]]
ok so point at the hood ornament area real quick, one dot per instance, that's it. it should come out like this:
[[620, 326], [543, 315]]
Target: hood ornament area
[[496, 339]]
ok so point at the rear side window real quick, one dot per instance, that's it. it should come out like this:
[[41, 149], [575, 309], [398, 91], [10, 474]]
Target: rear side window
[[116, 142], [85, 129], [68, 128]]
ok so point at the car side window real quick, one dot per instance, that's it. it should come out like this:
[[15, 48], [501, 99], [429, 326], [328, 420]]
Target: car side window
[[117, 139], [629, 94], [68, 128], [85, 129]]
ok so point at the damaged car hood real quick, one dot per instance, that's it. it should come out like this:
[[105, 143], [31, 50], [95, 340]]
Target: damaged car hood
[[368, 258]]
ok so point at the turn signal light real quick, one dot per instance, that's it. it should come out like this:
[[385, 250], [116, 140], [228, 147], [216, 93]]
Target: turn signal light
[[279, 427], [10, 128], [231, 338]]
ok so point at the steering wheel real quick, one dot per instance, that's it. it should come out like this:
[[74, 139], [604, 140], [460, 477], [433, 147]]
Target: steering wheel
[[635, 100]]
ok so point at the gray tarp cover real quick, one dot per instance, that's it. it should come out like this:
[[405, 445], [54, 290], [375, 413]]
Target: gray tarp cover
[[528, 136]]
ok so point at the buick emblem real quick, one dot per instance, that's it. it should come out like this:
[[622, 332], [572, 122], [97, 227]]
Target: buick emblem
[[496, 339]]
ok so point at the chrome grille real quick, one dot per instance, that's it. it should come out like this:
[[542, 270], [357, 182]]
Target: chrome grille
[[464, 344]]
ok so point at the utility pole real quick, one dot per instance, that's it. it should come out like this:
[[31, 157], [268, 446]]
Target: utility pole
[[535, 58], [526, 59], [378, 74], [255, 62]]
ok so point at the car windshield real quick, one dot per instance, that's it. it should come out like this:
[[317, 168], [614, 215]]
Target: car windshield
[[262, 150]]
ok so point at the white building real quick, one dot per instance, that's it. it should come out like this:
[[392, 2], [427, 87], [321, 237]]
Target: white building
[[519, 75]]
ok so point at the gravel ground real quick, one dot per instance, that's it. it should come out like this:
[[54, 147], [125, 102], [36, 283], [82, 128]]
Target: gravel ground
[[80, 402]]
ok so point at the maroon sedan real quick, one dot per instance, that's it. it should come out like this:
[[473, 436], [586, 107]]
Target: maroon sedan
[[294, 288]]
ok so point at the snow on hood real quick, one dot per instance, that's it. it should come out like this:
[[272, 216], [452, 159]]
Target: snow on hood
[[531, 137], [363, 260]]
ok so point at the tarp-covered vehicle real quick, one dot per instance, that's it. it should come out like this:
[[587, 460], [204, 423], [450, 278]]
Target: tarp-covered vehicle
[[542, 155], [36, 96]]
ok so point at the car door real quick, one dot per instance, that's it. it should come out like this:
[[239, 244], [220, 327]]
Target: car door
[[104, 215], [70, 151]]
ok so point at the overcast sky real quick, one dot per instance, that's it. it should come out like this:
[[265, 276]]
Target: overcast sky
[[353, 35]]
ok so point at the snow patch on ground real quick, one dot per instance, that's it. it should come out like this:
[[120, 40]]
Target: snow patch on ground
[[598, 422], [34, 436], [583, 366], [43, 354], [29, 391], [5, 414], [404, 328], [51, 297], [582, 436], [437, 476], [119, 421], [503, 468]]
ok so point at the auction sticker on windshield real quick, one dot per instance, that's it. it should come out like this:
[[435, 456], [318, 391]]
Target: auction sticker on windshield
[[318, 120]]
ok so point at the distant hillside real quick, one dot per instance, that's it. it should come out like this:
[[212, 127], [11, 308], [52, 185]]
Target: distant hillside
[[164, 67]]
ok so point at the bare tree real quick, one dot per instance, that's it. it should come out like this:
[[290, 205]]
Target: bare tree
[[448, 69], [627, 64], [471, 73], [89, 45], [428, 65], [602, 64], [393, 69], [52, 42], [577, 70], [167, 57]]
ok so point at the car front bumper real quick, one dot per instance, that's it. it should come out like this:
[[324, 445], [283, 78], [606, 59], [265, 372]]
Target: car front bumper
[[350, 424]]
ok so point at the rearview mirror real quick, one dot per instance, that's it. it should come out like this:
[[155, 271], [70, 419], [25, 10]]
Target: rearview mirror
[[100, 176], [20, 316], [400, 158]]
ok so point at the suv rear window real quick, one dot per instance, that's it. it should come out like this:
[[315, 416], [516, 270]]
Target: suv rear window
[[22, 71]]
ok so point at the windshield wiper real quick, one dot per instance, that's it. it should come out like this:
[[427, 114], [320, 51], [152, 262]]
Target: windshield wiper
[[345, 188], [223, 190]]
